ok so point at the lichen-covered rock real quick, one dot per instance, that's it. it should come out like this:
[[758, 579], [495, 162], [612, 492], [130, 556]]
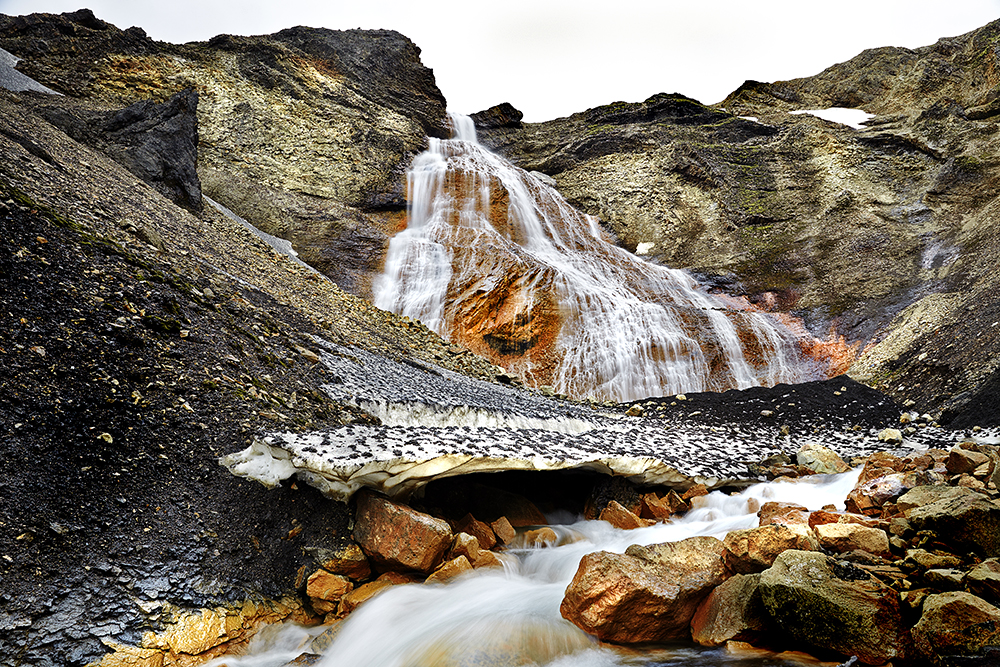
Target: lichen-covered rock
[[733, 611], [956, 623], [819, 459], [348, 560], [647, 594], [834, 605], [847, 537], [959, 516], [396, 536]]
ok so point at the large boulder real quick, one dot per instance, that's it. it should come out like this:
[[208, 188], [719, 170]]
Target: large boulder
[[847, 537], [734, 611], [956, 623], [398, 537], [819, 459], [963, 517], [755, 549], [984, 580], [647, 594], [833, 605]]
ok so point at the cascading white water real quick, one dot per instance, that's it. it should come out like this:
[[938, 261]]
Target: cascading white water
[[627, 328], [511, 617]]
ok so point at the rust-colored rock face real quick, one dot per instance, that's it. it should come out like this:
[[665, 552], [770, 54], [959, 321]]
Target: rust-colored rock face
[[498, 261], [647, 594], [396, 536]]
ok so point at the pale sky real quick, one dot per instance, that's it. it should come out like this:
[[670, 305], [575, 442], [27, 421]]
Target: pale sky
[[551, 58]]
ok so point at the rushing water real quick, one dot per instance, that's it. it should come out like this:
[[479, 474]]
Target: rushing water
[[495, 259], [505, 618]]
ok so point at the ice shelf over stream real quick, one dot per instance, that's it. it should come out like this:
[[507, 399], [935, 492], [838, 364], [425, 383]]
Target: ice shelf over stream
[[437, 423]]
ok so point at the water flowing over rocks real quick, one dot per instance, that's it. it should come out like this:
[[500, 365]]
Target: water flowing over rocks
[[143, 340]]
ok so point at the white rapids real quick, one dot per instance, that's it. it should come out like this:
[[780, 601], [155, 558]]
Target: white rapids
[[629, 328], [511, 617]]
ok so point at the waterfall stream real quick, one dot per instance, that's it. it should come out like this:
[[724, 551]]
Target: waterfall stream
[[496, 260], [511, 617]]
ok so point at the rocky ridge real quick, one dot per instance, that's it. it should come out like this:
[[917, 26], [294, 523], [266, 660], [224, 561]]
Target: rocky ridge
[[881, 237]]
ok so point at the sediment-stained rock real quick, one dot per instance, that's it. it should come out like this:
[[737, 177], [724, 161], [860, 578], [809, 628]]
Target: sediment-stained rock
[[649, 594], [833, 605], [394, 535], [956, 623]]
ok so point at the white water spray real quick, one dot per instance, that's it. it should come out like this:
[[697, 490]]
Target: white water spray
[[511, 617], [627, 329]]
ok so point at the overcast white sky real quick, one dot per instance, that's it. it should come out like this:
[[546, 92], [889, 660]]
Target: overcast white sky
[[550, 58]]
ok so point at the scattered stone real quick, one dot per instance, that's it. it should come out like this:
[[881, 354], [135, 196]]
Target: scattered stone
[[945, 579], [819, 459], [925, 560], [478, 529], [308, 355], [834, 606], [890, 436], [847, 537], [487, 559], [733, 611], [955, 623], [655, 507], [503, 530], [784, 513], [621, 518], [964, 461], [449, 570], [984, 580], [396, 536], [540, 537], [349, 561], [465, 545], [959, 516], [755, 549], [325, 590], [635, 411]]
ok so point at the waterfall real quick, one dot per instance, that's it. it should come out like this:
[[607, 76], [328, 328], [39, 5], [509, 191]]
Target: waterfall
[[496, 260]]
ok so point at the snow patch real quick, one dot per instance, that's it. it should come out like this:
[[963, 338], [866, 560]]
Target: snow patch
[[851, 117]]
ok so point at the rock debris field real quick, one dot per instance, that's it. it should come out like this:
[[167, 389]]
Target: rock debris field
[[436, 423]]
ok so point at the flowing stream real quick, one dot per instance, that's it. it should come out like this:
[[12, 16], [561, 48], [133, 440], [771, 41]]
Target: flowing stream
[[498, 261], [511, 617]]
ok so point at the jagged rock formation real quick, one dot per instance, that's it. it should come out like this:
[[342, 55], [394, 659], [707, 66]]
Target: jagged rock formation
[[306, 133], [883, 234]]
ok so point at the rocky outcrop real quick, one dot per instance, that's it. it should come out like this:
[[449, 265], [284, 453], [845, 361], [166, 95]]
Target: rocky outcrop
[[880, 235], [306, 133]]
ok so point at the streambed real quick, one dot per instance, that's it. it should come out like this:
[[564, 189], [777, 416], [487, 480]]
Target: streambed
[[511, 617]]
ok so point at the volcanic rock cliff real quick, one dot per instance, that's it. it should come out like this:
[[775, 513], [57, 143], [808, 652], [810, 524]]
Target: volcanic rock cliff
[[884, 235], [146, 334]]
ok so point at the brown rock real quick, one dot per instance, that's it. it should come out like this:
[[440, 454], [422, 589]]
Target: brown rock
[[540, 537], [478, 529], [349, 561], [694, 492], [847, 537], [655, 507], [733, 611], [755, 549], [449, 570], [352, 600], [962, 518], [465, 545], [621, 518], [783, 513], [868, 497], [396, 536], [964, 461], [926, 560], [503, 530], [984, 580], [325, 590], [955, 623], [487, 559], [819, 459], [625, 598]]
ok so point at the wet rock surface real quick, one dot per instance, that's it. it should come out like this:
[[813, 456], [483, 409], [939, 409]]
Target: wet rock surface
[[880, 234]]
